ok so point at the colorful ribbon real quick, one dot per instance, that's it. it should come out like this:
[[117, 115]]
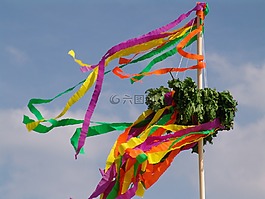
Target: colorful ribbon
[[144, 151], [153, 43], [147, 147]]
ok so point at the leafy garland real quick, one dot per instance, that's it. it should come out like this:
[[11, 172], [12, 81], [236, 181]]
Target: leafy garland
[[195, 105]]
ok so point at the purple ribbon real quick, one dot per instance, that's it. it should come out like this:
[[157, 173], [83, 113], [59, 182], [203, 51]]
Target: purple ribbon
[[156, 140], [91, 106], [106, 183], [155, 34]]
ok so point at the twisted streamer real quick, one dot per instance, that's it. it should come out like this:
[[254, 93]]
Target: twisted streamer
[[153, 43], [147, 147]]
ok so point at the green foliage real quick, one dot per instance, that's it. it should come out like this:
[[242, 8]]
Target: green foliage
[[155, 97], [195, 105]]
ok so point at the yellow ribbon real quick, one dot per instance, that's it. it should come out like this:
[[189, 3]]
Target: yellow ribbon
[[90, 80]]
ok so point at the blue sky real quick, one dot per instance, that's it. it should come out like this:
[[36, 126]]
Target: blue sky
[[35, 37]]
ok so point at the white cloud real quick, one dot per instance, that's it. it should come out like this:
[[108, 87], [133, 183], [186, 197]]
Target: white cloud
[[244, 81], [17, 55], [236, 162], [250, 90], [43, 166]]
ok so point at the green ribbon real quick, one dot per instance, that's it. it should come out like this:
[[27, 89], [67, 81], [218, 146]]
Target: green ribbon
[[100, 129]]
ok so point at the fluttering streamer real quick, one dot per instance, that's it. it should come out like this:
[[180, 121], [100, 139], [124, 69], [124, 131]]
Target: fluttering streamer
[[146, 148]]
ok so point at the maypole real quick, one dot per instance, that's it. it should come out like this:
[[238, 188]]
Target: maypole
[[179, 117], [199, 83]]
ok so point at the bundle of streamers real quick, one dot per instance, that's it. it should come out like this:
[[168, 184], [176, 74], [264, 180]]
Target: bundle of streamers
[[144, 151], [148, 146]]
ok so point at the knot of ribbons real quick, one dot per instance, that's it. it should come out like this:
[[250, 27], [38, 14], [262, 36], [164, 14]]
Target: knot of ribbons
[[144, 151]]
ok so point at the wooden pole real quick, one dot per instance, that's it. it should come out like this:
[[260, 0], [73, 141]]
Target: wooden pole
[[200, 143]]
